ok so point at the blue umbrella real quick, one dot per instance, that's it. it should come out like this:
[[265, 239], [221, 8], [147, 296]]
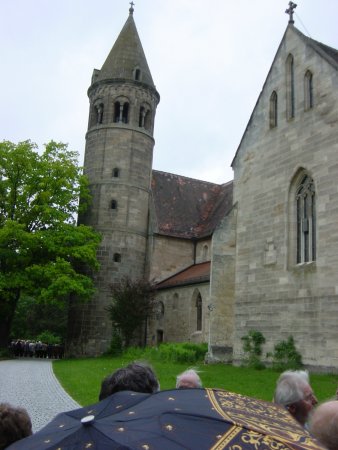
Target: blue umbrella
[[173, 420]]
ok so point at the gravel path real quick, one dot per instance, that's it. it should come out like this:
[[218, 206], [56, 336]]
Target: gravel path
[[31, 383]]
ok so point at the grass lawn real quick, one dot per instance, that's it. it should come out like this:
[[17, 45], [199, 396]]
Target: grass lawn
[[81, 378]]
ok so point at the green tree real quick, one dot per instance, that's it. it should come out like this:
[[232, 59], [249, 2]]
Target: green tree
[[133, 301], [42, 252]]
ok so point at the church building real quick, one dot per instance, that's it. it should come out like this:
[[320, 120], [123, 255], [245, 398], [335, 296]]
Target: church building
[[257, 253]]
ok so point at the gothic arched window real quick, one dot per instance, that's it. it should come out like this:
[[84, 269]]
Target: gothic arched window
[[306, 220], [199, 313], [273, 110], [290, 87], [308, 90]]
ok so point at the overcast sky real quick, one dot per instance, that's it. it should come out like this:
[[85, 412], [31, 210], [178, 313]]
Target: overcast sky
[[208, 59]]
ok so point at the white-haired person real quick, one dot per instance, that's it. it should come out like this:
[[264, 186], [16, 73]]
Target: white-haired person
[[294, 391], [188, 379]]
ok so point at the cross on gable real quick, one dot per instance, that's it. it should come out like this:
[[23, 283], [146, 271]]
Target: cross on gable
[[290, 11]]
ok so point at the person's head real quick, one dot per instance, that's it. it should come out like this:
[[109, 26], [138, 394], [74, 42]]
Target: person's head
[[15, 424], [137, 377], [324, 424], [295, 393], [188, 379]]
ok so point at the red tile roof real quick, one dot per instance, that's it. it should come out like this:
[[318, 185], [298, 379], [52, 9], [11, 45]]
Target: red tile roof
[[197, 273], [188, 208]]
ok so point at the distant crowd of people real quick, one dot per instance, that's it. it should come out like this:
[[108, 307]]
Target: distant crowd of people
[[37, 349], [293, 392]]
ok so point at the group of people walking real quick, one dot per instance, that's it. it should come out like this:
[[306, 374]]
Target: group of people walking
[[29, 349]]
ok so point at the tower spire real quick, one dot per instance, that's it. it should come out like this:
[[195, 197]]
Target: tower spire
[[131, 9]]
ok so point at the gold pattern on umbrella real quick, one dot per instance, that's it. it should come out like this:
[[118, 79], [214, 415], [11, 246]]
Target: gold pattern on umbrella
[[258, 424]]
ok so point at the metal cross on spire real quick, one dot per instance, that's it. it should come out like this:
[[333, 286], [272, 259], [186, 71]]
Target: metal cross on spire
[[290, 11], [131, 9]]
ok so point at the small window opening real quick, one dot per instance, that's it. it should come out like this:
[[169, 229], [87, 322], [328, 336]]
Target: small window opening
[[290, 87], [137, 74], [273, 110], [116, 172], [117, 257], [199, 312], [113, 204], [308, 90]]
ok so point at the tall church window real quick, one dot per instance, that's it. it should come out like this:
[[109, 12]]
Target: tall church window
[[306, 220], [205, 252], [273, 110], [290, 87], [308, 90], [199, 312]]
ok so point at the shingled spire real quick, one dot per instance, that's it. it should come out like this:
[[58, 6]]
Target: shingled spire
[[126, 57]]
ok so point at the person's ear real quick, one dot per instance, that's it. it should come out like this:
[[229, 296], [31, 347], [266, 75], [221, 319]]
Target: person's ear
[[292, 409]]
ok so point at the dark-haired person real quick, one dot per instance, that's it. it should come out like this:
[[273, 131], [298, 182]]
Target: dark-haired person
[[137, 377], [15, 424]]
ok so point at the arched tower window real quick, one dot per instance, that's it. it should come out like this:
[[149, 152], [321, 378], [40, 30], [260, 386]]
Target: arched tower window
[[113, 204], [306, 220], [116, 172], [205, 252], [290, 87], [125, 113], [147, 121], [121, 112], [117, 108], [308, 90], [199, 313], [141, 117], [273, 110], [145, 118]]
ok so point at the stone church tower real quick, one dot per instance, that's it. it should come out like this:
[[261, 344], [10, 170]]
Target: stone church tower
[[118, 164]]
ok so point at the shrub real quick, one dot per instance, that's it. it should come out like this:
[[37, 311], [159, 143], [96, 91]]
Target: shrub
[[185, 353], [115, 348], [252, 347], [285, 356]]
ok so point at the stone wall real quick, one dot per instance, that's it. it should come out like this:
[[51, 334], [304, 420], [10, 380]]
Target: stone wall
[[180, 320], [274, 294]]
